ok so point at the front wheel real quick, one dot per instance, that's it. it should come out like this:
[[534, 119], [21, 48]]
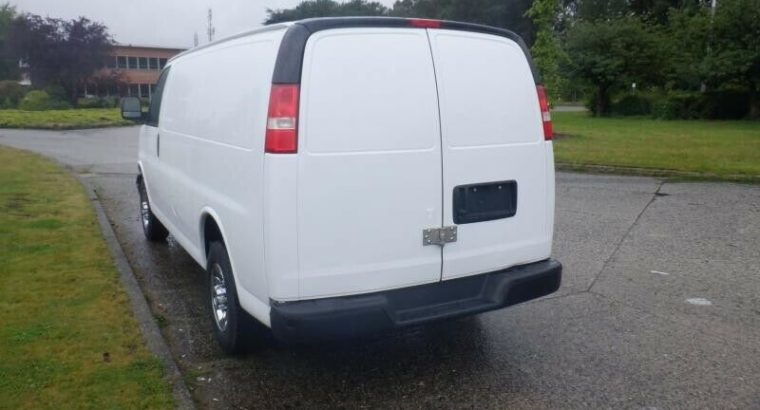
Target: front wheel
[[153, 229]]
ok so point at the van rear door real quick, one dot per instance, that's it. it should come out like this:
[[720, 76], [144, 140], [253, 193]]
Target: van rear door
[[369, 162], [496, 186]]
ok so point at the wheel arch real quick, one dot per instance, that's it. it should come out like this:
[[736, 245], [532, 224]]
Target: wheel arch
[[139, 178], [211, 230]]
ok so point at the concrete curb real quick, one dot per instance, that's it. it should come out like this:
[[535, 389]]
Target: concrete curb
[[148, 326], [654, 172]]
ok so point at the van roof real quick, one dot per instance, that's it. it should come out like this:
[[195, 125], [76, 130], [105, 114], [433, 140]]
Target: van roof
[[290, 56], [246, 33]]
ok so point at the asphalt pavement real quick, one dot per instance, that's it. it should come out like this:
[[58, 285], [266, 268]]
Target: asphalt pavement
[[659, 307]]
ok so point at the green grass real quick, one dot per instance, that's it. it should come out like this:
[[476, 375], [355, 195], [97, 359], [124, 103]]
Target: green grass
[[728, 150], [68, 338], [63, 119]]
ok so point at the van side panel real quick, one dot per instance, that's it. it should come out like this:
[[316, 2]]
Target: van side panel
[[491, 131], [280, 225], [212, 136], [369, 166]]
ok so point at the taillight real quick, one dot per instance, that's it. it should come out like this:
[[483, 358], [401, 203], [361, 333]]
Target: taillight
[[425, 23], [546, 117], [282, 119]]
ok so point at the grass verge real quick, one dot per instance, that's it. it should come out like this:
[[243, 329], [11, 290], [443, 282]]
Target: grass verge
[[721, 150], [68, 338], [63, 119]]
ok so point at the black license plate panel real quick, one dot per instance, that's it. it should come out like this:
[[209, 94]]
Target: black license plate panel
[[486, 201]]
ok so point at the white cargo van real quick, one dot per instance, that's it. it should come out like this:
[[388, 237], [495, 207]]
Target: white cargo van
[[344, 176]]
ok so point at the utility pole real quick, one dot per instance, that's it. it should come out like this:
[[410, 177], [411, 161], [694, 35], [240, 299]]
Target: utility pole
[[210, 30]]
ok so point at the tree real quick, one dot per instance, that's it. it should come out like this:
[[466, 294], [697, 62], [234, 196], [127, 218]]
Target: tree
[[610, 55], [599, 10], [326, 8], [8, 64], [497, 13], [546, 50], [685, 40], [734, 57], [60, 52]]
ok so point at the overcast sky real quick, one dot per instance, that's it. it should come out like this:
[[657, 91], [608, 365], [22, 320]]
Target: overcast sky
[[167, 23]]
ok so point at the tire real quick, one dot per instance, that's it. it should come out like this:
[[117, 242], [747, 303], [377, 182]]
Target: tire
[[234, 329], [153, 229]]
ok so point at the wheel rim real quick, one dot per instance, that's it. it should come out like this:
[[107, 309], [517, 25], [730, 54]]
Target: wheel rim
[[144, 209], [219, 304], [145, 213]]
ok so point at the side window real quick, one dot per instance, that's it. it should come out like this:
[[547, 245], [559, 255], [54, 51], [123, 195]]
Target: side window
[[155, 102]]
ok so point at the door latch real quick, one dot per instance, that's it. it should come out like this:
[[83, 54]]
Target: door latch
[[439, 236]]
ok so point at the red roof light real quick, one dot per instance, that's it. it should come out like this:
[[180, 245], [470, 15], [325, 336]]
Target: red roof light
[[425, 23]]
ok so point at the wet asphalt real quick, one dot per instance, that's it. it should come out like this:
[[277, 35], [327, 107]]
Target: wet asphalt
[[659, 307]]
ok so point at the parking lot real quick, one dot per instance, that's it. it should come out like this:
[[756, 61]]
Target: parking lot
[[659, 307]]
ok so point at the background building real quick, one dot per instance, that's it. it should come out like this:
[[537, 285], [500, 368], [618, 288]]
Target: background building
[[133, 71]]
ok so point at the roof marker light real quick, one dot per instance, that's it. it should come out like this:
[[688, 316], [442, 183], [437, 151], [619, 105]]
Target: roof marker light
[[425, 23]]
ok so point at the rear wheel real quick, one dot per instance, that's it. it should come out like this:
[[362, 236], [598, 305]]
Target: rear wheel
[[153, 229], [233, 327]]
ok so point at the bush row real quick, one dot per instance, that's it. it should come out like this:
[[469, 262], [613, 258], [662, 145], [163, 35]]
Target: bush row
[[684, 105], [98, 102], [14, 95]]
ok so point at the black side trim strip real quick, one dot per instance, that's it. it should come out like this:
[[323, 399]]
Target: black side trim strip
[[287, 68]]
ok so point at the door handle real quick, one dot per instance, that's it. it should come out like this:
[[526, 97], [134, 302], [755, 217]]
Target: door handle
[[158, 145]]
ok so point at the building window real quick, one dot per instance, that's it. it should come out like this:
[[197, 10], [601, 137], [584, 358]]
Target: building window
[[144, 91], [153, 63], [134, 90], [162, 63], [121, 62], [152, 89], [132, 62], [143, 63], [114, 62]]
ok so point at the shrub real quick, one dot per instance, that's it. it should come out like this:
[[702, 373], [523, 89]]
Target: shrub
[[11, 92], [88, 102], [57, 93], [683, 105], [96, 102], [39, 100], [725, 105], [110, 102], [632, 104], [717, 105], [36, 100]]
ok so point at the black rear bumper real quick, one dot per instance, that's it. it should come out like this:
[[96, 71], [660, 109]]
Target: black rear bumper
[[359, 315]]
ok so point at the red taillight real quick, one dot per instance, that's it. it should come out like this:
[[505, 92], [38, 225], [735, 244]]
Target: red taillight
[[282, 119], [425, 23], [546, 117]]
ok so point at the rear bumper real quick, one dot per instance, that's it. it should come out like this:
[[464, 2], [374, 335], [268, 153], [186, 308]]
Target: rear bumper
[[352, 316]]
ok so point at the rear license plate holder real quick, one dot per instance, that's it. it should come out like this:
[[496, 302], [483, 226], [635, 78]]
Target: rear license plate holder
[[486, 201]]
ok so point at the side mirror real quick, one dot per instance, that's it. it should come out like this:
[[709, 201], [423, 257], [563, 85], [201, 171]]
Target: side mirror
[[131, 108]]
